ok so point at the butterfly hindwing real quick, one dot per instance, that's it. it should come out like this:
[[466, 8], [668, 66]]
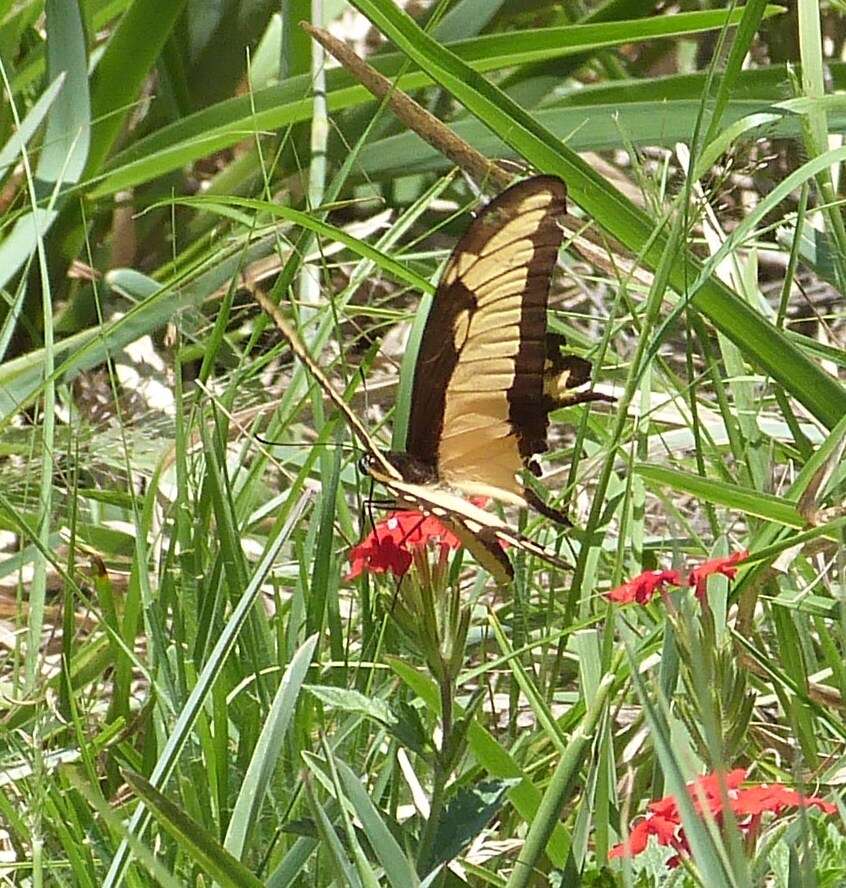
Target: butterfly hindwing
[[481, 532]]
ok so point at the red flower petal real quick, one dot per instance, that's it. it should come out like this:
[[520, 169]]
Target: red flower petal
[[822, 804], [378, 555], [724, 565], [665, 807], [664, 829], [638, 837], [389, 545], [775, 798], [641, 588], [710, 783], [705, 788]]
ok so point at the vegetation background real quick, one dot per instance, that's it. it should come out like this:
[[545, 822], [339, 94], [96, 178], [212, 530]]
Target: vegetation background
[[191, 694]]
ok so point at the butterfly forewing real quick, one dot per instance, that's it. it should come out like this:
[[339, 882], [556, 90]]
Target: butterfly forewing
[[478, 409]]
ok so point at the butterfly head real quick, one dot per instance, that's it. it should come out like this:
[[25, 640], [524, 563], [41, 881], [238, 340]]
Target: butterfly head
[[380, 467], [367, 463]]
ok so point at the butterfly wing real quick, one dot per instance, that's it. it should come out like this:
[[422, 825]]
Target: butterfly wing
[[564, 374], [488, 373], [478, 409]]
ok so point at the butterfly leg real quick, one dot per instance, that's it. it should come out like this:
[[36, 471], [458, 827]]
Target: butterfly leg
[[547, 511]]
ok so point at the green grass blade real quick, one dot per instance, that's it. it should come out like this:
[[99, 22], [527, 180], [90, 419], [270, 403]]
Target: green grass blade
[[732, 496], [210, 672], [258, 776], [201, 845], [398, 869], [19, 140], [560, 784], [121, 71], [223, 125], [66, 138]]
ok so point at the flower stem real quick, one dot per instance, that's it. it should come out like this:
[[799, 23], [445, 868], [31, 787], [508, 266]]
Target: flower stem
[[436, 809], [442, 769]]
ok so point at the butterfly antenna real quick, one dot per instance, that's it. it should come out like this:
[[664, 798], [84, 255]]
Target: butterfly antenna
[[267, 442]]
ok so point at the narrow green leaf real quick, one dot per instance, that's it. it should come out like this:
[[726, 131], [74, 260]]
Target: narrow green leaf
[[259, 772], [398, 869], [305, 220], [601, 126], [19, 140], [68, 132], [331, 844], [211, 670], [227, 123], [66, 137], [121, 71], [192, 838], [732, 496]]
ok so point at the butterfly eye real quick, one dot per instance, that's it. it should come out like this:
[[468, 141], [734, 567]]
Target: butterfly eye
[[365, 463]]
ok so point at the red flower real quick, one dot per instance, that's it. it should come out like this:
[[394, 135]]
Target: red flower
[[390, 543], [724, 565], [642, 587], [663, 819], [378, 554]]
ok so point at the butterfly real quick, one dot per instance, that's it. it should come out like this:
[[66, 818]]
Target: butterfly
[[487, 375]]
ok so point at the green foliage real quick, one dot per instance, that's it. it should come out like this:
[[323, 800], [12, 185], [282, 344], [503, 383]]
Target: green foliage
[[192, 694]]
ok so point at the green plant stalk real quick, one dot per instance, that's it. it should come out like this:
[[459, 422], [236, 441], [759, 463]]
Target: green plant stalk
[[309, 283], [447, 693], [793, 260], [443, 761], [703, 645], [66, 691], [437, 804], [559, 787], [447, 657]]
